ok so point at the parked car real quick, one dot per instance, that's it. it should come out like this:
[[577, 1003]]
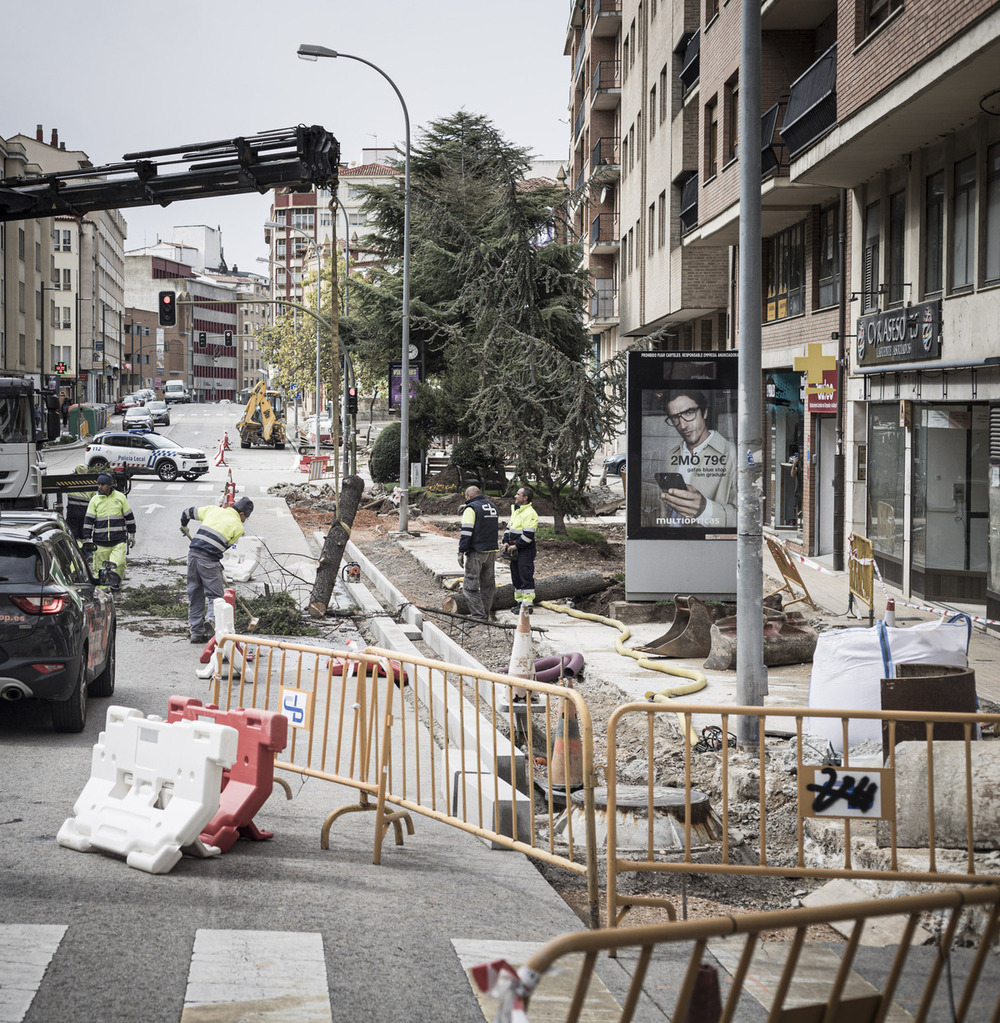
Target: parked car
[[138, 418], [160, 411], [147, 394], [57, 625], [146, 454], [615, 464], [125, 402]]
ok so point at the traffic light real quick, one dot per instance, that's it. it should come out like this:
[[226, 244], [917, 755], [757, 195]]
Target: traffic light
[[352, 401], [229, 338], [202, 339], [168, 309]]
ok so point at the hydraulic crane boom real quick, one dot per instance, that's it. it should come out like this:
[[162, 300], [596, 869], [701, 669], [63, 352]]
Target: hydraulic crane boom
[[294, 158]]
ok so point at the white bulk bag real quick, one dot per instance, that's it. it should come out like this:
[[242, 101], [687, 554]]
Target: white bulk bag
[[849, 665]]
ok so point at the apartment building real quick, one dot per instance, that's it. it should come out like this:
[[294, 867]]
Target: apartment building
[[880, 209], [61, 284]]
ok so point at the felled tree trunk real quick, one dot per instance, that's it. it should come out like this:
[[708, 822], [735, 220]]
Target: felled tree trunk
[[333, 546], [574, 584]]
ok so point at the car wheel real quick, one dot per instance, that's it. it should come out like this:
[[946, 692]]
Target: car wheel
[[167, 471], [104, 684], [280, 445], [99, 464], [71, 715]]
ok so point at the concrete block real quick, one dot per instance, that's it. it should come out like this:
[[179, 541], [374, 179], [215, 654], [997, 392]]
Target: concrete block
[[474, 785], [877, 932], [950, 830]]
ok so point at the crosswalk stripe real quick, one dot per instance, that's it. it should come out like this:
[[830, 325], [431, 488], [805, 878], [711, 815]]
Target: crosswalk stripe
[[259, 975], [25, 953]]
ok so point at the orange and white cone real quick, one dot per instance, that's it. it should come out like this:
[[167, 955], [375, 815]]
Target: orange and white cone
[[522, 663], [566, 768]]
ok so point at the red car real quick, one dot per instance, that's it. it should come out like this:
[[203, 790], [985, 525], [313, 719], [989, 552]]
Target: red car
[[127, 401]]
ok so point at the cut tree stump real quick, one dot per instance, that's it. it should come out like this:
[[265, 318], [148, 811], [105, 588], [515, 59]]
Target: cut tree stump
[[573, 584], [333, 547]]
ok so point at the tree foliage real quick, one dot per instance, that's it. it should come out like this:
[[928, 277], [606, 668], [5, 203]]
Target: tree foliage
[[497, 296]]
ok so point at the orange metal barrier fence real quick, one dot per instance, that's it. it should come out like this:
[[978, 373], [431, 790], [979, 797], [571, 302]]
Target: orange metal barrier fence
[[774, 970], [861, 574], [440, 740], [867, 816]]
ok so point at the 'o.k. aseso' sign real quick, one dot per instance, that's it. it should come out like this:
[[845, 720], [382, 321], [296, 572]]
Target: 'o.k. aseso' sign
[[899, 335]]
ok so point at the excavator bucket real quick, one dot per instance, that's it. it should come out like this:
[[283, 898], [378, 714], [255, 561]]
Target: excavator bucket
[[788, 639], [690, 633]]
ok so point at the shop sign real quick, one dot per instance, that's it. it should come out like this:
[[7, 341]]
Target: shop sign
[[823, 398], [900, 335]]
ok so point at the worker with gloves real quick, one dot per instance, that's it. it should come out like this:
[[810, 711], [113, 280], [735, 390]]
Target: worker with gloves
[[219, 530], [110, 524], [477, 552], [519, 545], [77, 503]]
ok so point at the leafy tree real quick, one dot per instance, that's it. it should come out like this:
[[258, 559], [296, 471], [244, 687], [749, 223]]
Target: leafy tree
[[496, 301]]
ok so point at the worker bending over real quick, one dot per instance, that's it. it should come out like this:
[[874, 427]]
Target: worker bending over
[[219, 530]]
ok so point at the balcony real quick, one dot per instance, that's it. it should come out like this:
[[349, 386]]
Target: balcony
[[580, 54], [812, 104], [604, 233], [795, 15], [606, 87], [689, 203], [606, 159], [606, 17], [604, 301], [578, 123], [773, 152], [691, 63]]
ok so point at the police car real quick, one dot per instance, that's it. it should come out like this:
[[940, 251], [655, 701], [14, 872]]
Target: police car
[[146, 454]]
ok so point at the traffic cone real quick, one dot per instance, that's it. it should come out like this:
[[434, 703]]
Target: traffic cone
[[225, 442], [706, 999], [567, 750], [522, 663]]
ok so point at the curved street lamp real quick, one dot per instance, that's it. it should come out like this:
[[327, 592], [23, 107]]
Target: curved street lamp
[[308, 51], [275, 225]]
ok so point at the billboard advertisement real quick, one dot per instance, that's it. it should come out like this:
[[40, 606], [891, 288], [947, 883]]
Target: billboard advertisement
[[395, 380], [682, 460]]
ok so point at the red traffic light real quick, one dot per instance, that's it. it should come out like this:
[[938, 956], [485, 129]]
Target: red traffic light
[[167, 309], [229, 338]]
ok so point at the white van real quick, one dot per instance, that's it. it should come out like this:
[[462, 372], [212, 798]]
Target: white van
[[176, 390]]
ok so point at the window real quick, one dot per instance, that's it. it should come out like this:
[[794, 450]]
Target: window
[[303, 219], [732, 118], [661, 239], [650, 228], [20, 244], [652, 113], [870, 276], [934, 234], [38, 257], [625, 58], [631, 146], [897, 235], [711, 9], [66, 321], [992, 269], [20, 296], [67, 280], [631, 59], [879, 11], [626, 150], [828, 262], [664, 94], [711, 139], [784, 277], [963, 227]]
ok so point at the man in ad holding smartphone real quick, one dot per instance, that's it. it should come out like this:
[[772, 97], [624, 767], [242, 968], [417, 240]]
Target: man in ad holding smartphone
[[699, 486]]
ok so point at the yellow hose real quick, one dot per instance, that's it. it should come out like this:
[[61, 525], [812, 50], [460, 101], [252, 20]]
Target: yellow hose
[[698, 680]]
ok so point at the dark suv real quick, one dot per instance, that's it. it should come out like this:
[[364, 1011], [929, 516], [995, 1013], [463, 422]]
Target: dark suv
[[57, 625]]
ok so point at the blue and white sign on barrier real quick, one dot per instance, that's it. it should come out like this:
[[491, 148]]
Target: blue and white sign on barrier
[[296, 705]]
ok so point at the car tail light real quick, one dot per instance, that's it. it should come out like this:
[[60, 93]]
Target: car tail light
[[33, 605], [48, 669]]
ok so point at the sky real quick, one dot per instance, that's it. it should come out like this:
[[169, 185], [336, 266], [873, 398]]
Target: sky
[[122, 76]]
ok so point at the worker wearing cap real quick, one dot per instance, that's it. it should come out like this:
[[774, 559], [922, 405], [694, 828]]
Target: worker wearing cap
[[110, 524], [518, 544], [219, 530], [477, 552]]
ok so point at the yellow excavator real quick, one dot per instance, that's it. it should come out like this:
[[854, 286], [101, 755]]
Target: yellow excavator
[[263, 420]]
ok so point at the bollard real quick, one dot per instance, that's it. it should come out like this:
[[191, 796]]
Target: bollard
[[890, 612]]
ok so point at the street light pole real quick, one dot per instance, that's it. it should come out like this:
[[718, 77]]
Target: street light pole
[[295, 333], [319, 308], [310, 52], [346, 418]]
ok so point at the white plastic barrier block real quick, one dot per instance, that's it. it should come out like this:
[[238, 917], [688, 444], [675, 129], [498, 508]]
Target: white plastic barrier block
[[239, 562], [153, 789], [225, 625]]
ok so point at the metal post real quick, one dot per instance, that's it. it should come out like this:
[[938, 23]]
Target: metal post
[[750, 677], [308, 51], [346, 424]]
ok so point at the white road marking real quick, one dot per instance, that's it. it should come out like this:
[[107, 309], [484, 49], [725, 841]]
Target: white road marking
[[259, 975], [25, 953]]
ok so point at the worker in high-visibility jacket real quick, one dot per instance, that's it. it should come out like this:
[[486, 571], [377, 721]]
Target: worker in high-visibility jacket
[[219, 530], [477, 552], [110, 524], [519, 544]]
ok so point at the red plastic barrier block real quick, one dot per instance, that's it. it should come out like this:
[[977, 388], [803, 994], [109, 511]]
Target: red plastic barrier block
[[247, 785]]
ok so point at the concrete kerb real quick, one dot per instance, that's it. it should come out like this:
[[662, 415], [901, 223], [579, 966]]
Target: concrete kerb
[[462, 715]]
